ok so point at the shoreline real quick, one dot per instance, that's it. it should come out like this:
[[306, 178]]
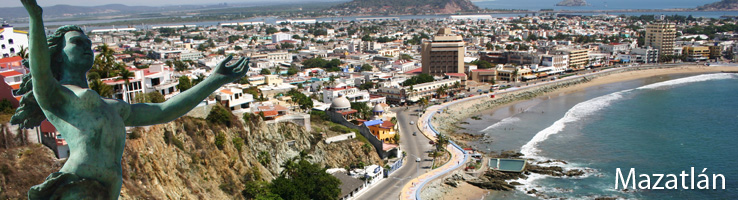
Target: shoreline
[[485, 105]]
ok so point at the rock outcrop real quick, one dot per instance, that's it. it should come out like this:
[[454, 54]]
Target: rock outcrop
[[721, 5], [190, 158]]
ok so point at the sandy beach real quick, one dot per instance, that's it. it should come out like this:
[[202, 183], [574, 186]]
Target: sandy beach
[[463, 110], [633, 75]]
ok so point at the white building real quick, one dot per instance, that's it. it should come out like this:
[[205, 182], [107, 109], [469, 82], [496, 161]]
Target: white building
[[351, 93], [11, 40], [157, 78], [279, 37], [232, 96]]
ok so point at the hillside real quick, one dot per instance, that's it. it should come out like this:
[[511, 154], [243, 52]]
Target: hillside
[[192, 158], [405, 7], [721, 5]]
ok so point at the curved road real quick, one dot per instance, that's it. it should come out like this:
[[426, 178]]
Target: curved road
[[415, 146]]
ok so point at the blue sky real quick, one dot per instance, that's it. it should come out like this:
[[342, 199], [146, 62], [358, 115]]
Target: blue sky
[[17, 3]]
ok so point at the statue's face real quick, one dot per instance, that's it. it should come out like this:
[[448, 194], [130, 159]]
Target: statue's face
[[77, 52]]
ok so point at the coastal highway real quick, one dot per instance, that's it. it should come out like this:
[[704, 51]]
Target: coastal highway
[[415, 147]]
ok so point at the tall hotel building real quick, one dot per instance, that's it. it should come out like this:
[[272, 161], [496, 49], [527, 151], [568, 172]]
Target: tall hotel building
[[661, 36], [445, 54]]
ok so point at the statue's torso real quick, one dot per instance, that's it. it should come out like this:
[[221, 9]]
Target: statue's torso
[[94, 129]]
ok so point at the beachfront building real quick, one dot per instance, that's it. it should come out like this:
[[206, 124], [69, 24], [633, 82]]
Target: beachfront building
[[646, 55], [578, 58], [11, 40], [514, 74], [483, 75], [399, 95], [445, 54], [661, 36], [697, 53]]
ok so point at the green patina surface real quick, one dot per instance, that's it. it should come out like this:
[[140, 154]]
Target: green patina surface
[[94, 127]]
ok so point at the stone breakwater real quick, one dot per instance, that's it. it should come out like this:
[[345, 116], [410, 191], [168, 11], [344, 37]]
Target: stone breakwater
[[446, 121]]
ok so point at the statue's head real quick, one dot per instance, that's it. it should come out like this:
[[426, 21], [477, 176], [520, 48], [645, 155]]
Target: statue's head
[[70, 49]]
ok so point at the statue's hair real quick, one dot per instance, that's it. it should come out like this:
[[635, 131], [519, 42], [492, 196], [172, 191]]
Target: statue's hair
[[29, 113]]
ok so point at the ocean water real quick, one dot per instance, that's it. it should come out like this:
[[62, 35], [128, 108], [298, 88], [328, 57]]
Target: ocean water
[[535, 5], [658, 125]]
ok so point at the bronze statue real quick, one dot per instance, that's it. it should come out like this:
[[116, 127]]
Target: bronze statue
[[94, 127]]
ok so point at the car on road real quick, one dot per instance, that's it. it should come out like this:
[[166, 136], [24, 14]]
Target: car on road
[[431, 142], [417, 160], [412, 123], [415, 133]]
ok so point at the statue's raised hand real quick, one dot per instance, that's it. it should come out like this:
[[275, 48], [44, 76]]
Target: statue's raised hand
[[232, 72], [32, 7]]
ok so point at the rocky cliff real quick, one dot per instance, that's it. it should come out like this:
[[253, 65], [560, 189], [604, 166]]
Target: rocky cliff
[[572, 3], [405, 7], [721, 5], [191, 158]]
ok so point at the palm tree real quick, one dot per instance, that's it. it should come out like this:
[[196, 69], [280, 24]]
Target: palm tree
[[104, 62], [441, 91], [515, 74], [104, 90], [290, 167], [23, 52], [125, 75], [304, 155]]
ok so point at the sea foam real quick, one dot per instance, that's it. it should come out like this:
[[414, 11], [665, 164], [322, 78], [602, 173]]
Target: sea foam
[[506, 121], [589, 107], [577, 112]]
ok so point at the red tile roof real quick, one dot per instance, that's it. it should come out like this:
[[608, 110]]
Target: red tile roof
[[10, 73], [387, 124], [15, 86], [269, 113], [415, 71], [11, 59]]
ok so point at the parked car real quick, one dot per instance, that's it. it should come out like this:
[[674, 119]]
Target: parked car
[[431, 142], [417, 160], [415, 133]]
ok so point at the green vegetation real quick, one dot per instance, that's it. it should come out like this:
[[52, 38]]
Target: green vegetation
[[318, 62], [366, 67], [237, 143], [300, 179], [151, 97], [301, 99], [220, 115], [418, 79], [264, 158], [363, 109], [405, 57], [265, 71], [220, 140], [184, 83], [481, 64]]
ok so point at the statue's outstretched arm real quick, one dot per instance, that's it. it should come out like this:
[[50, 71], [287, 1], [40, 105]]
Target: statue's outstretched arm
[[144, 114], [45, 87]]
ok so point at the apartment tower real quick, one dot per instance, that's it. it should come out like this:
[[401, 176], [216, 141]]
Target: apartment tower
[[445, 54], [661, 36]]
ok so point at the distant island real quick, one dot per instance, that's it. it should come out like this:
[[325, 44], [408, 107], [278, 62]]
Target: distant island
[[572, 3], [721, 5], [404, 7]]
